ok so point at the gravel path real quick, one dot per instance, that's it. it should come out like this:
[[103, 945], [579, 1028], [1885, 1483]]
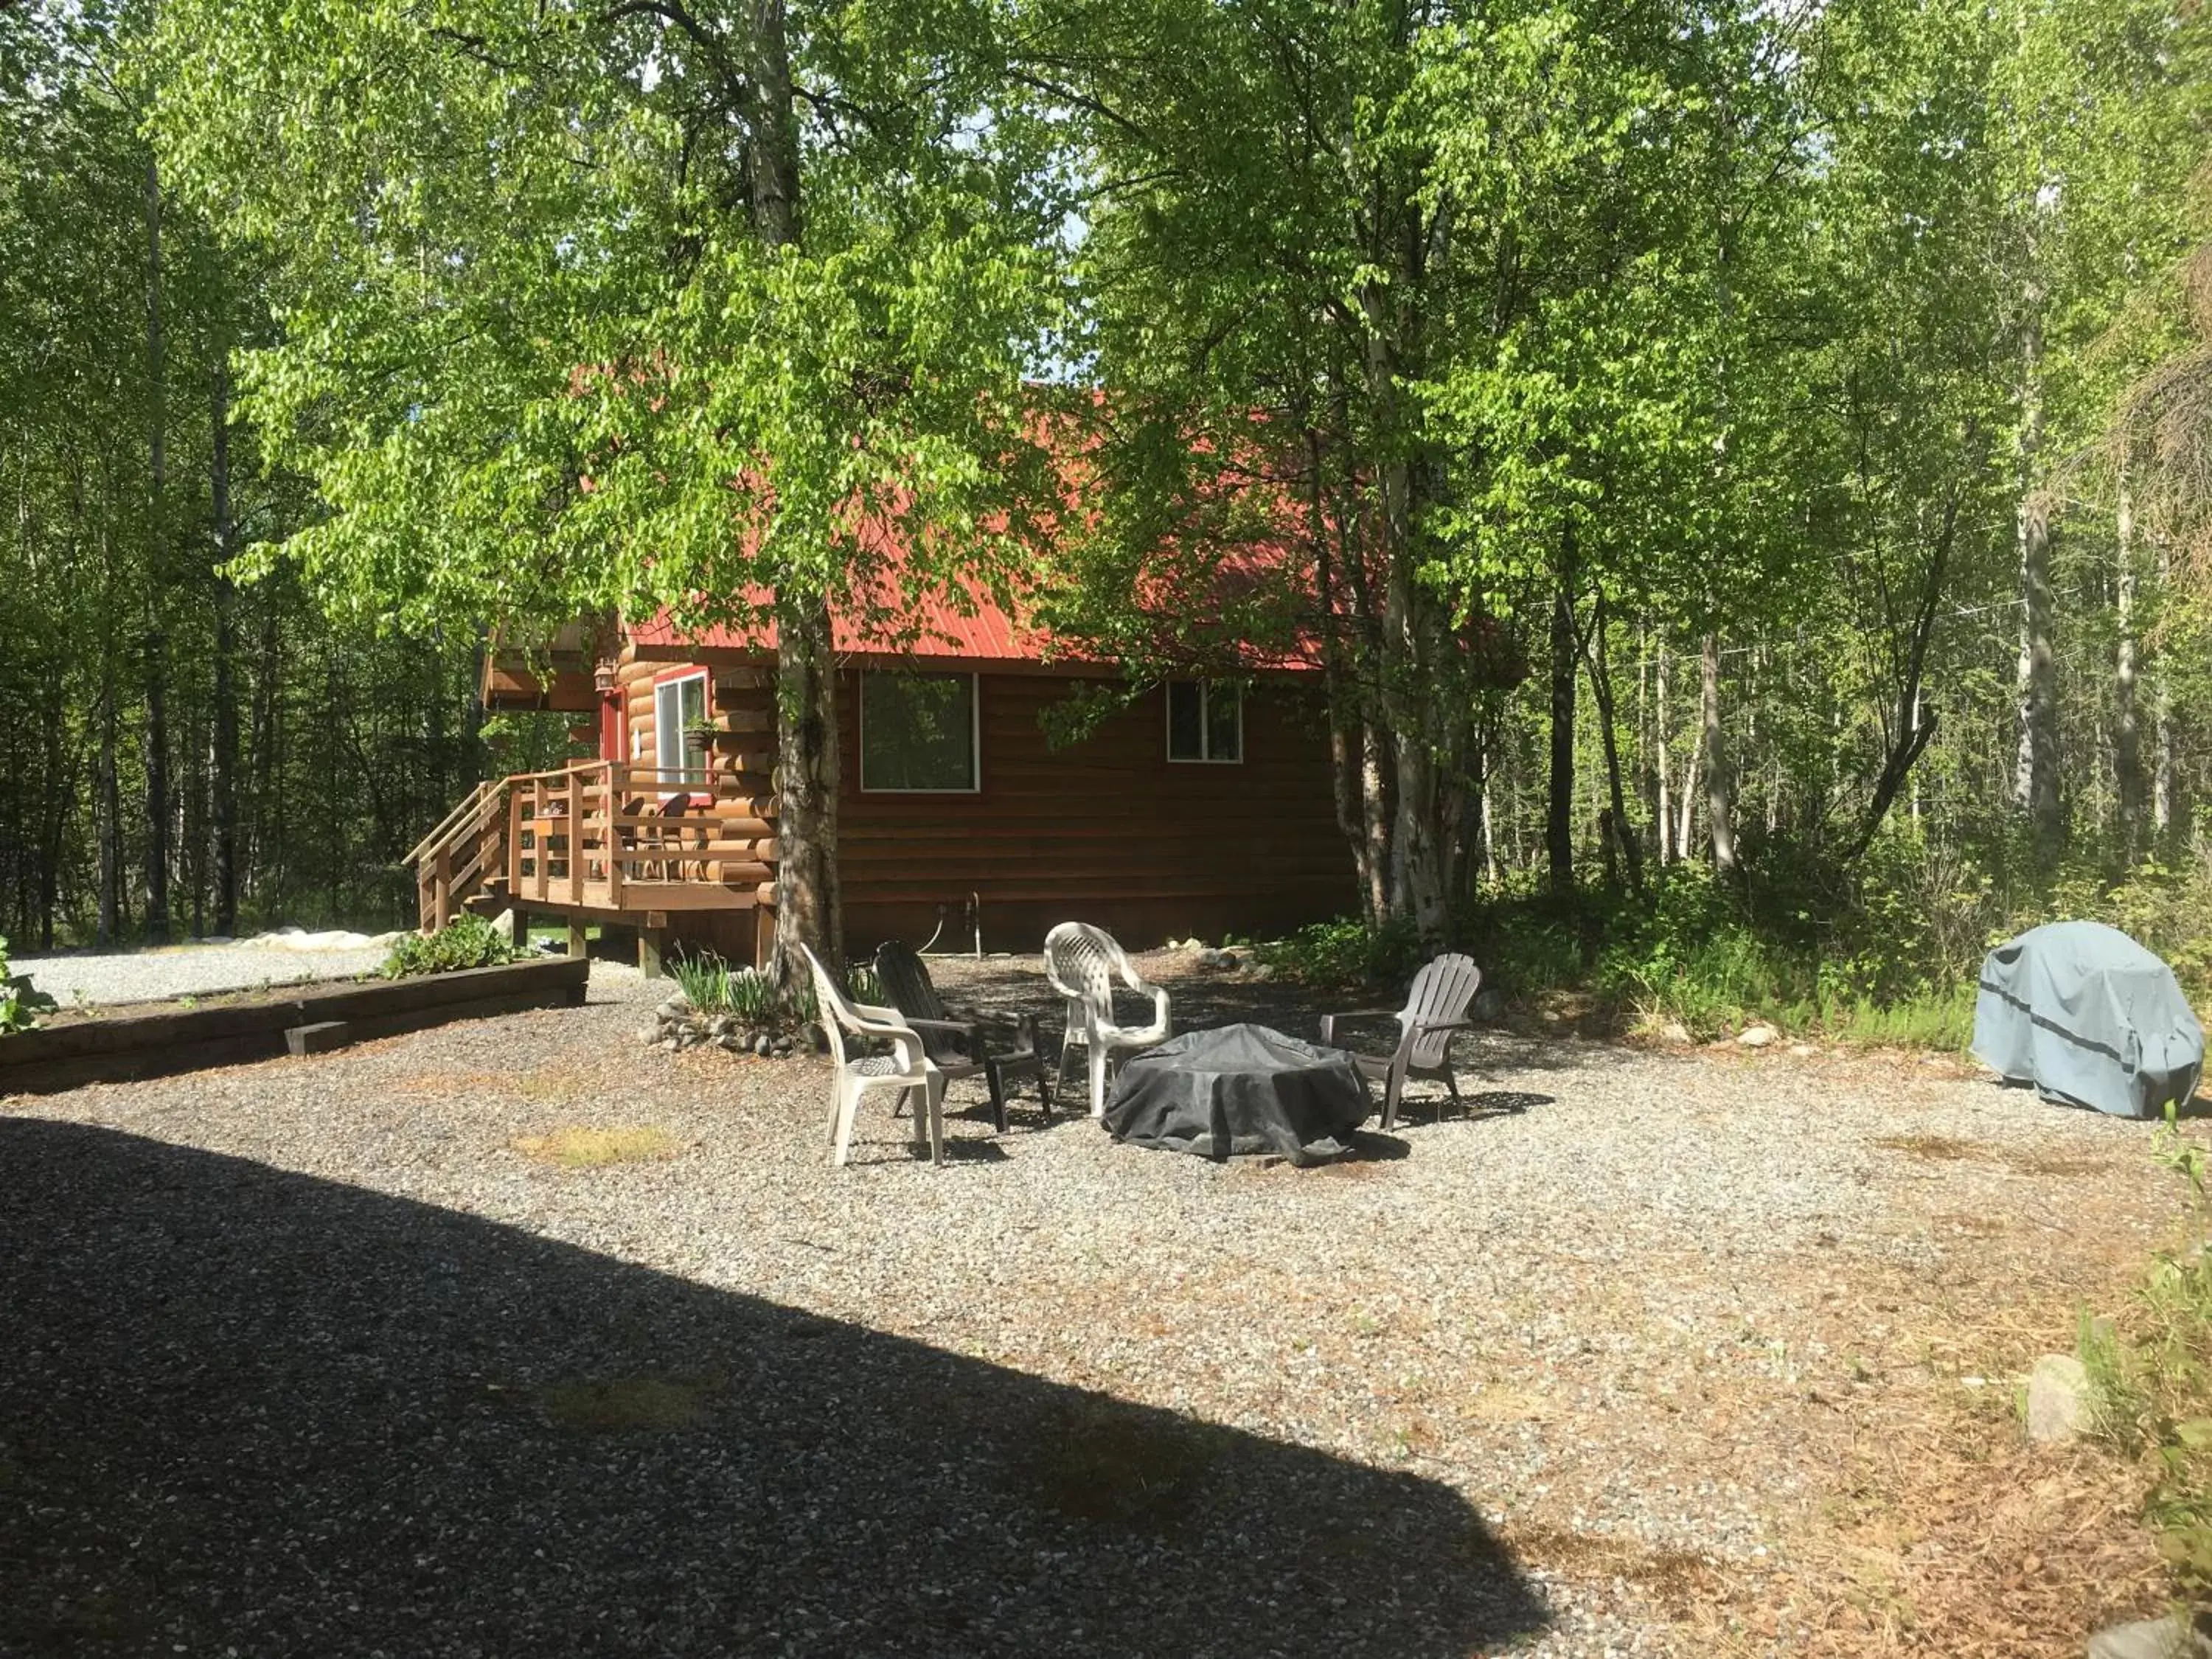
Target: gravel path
[[110, 978], [312, 1357]]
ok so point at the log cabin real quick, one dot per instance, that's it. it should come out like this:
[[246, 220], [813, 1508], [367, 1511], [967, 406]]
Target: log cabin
[[1196, 807]]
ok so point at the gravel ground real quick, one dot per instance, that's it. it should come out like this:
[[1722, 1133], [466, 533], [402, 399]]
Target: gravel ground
[[309, 1356], [111, 977]]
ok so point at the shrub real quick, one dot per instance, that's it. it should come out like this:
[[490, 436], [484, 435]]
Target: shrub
[[19, 1006], [2153, 1381], [466, 941], [1348, 951], [713, 987]]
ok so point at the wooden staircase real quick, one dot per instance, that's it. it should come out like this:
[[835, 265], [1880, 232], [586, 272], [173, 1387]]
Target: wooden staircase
[[462, 857], [602, 839]]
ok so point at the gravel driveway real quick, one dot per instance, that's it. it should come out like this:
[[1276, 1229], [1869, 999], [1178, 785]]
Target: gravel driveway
[[308, 1357]]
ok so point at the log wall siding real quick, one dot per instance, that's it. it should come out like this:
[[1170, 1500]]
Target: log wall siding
[[1106, 830]]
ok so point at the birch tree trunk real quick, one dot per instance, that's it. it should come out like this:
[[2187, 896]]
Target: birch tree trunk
[[1559, 820], [1668, 840], [2127, 735], [222, 755], [1719, 784], [2037, 776], [2166, 816], [155, 645]]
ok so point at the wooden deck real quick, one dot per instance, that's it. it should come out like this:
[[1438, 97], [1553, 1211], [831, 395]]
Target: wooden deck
[[601, 840]]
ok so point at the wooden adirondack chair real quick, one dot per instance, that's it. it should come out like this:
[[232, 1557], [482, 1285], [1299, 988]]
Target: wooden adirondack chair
[[963, 1042], [1082, 962], [1436, 1009]]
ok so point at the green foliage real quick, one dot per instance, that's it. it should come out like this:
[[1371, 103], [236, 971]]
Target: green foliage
[[1345, 953], [2151, 1374], [466, 941], [20, 1005], [713, 987]]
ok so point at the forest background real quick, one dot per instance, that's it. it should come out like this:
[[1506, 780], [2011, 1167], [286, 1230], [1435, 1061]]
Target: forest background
[[1745, 464]]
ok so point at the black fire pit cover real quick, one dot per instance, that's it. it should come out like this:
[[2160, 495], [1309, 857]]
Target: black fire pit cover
[[1239, 1090]]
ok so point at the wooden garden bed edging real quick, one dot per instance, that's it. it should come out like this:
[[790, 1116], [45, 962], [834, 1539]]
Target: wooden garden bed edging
[[128, 1047]]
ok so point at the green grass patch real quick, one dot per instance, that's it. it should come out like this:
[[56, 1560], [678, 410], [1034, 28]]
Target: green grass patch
[[577, 1148]]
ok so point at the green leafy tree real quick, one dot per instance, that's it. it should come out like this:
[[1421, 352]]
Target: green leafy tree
[[619, 307]]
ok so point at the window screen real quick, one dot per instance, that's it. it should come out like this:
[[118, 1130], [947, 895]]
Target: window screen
[[918, 732], [1206, 721]]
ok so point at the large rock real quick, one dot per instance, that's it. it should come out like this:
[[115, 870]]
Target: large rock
[[1756, 1037], [2060, 1406], [2171, 1638]]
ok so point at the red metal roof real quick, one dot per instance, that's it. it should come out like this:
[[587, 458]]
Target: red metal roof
[[932, 625]]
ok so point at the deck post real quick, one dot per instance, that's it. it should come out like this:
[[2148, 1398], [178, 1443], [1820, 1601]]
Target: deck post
[[649, 941], [575, 837], [579, 940], [442, 885]]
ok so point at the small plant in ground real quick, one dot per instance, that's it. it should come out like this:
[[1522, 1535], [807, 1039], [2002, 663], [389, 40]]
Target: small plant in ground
[[466, 941], [713, 987], [20, 1005]]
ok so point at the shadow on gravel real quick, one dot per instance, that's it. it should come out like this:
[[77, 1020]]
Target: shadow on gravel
[[249, 1410]]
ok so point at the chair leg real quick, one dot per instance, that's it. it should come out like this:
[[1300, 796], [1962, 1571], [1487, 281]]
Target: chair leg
[[1068, 1038], [996, 1081], [848, 1108], [933, 1093], [1392, 1091], [1098, 1058], [1044, 1093], [836, 1105]]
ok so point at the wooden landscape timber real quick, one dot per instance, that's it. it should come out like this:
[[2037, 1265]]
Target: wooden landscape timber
[[300, 1019]]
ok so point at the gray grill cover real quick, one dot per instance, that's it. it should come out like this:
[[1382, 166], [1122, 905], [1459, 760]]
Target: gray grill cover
[[1237, 1091], [2090, 1017]]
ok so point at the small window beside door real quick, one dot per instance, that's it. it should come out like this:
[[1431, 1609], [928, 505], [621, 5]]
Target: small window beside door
[[1206, 721], [679, 707], [918, 734]]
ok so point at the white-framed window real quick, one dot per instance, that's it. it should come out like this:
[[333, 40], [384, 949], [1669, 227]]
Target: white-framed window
[[919, 733], [679, 706], [1206, 722]]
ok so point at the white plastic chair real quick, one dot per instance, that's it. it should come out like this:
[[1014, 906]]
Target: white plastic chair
[[1082, 962], [907, 1070], [1435, 1011]]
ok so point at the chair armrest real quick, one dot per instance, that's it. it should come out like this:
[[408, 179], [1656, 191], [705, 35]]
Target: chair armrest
[[884, 1023], [1001, 1021], [1423, 1027]]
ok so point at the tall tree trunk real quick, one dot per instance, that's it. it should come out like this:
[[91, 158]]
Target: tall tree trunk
[[1668, 840], [107, 807], [808, 911], [2167, 816], [2127, 732], [222, 758], [1559, 801], [2037, 774], [1619, 824], [1719, 781], [806, 886], [155, 647]]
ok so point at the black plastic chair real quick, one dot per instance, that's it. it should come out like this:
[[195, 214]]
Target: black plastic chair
[[1000, 1048]]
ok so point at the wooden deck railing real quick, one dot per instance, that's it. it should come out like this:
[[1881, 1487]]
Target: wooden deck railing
[[603, 835]]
